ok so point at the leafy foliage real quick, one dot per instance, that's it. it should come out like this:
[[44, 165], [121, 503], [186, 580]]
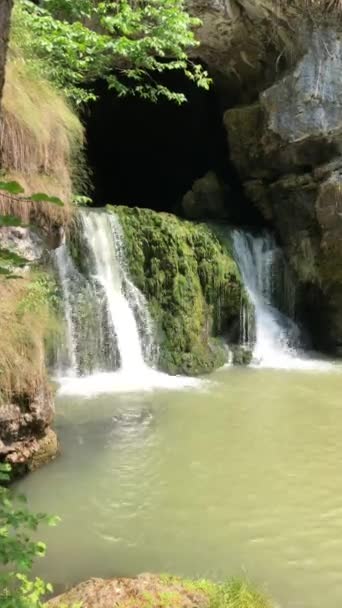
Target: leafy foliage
[[18, 550], [127, 42]]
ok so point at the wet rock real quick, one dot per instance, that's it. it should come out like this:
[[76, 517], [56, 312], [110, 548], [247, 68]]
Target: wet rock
[[287, 149], [241, 355], [191, 284], [26, 439], [205, 199]]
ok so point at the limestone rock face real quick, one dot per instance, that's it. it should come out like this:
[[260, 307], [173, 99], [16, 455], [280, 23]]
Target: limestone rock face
[[23, 241], [241, 42], [26, 439], [287, 149]]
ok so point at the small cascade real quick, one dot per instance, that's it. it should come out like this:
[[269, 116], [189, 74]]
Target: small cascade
[[105, 239], [107, 323], [274, 337], [66, 357]]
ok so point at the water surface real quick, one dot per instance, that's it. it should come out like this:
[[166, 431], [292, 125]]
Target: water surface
[[242, 475]]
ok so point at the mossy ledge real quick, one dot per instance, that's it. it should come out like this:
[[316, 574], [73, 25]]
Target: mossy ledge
[[163, 591], [191, 283]]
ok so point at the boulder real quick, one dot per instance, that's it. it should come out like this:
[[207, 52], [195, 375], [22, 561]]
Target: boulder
[[144, 591], [26, 439], [205, 199]]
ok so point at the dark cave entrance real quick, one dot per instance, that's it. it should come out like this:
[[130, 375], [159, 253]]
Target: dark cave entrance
[[148, 155]]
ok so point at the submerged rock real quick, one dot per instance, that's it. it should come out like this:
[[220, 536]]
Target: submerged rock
[[191, 283]]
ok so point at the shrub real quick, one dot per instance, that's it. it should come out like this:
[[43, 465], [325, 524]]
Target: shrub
[[18, 550]]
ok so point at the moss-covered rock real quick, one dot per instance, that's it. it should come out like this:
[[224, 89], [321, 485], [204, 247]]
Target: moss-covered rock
[[191, 283], [153, 591], [242, 355]]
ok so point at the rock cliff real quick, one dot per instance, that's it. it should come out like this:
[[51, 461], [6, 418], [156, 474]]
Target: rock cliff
[[287, 148], [278, 69]]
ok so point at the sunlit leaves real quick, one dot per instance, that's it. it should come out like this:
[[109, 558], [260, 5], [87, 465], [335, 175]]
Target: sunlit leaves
[[129, 44], [9, 220], [41, 197], [18, 550], [11, 187]]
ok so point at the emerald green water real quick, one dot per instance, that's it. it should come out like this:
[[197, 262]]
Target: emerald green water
[[240, 476]]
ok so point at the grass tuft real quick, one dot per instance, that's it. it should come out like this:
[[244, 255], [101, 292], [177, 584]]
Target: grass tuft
[[41, 136], [27, 318], [239, 594]]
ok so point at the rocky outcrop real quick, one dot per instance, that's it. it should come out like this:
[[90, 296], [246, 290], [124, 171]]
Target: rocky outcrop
[[144, 591], [26, 404], [26, 439], [287, 148], [247, 43], [191, 283], [153, 591], [23, 241], [205, 199]]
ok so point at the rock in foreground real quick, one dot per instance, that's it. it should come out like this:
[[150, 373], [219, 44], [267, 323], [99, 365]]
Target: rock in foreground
[[152, 591]]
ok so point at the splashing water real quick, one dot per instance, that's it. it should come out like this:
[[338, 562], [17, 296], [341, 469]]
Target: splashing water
[[275, 338], [110, 344]]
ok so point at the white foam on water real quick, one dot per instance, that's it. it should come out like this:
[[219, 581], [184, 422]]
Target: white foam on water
[[275, 333], [102, 383]]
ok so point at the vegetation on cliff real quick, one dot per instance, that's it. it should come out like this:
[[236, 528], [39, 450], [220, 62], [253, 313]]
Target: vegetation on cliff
[[40, 135], [191, 283], [27, 322]]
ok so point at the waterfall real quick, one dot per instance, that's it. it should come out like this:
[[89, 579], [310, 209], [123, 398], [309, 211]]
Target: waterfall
[[65, 270], [107, 323], [105, 240], [275, 338], [109, 344]]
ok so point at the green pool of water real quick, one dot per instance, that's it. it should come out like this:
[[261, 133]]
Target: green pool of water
[[242, 476]]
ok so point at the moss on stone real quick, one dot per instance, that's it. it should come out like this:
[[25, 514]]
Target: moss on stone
[[162, 591], [191, 283]]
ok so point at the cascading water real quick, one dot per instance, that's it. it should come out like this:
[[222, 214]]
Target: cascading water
[[109, 342], [66, 357], [274, 336], [104, 236]]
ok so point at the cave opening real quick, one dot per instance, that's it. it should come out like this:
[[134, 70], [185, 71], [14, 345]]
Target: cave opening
[[149, 154]]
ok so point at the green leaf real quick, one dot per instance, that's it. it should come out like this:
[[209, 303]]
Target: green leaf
[[41, 197], [10, 220], [12, 258], [12, 187]]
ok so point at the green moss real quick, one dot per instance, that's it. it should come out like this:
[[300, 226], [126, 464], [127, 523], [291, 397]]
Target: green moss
[[191, 283], [234, 593]]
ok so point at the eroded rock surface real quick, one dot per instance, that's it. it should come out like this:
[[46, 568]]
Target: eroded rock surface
[[26, 439], [287, 149]]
